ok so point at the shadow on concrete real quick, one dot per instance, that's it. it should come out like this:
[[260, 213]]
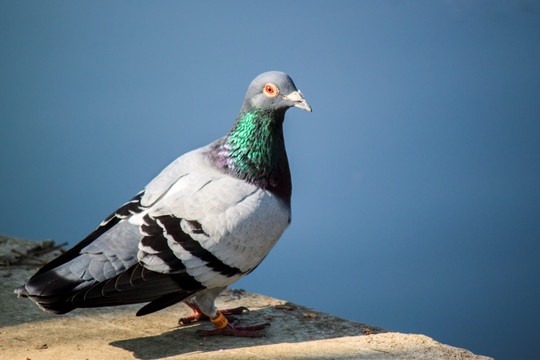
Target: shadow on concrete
[[290, 324]]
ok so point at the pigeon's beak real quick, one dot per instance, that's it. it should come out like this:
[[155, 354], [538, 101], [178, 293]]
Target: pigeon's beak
[[298, 100]]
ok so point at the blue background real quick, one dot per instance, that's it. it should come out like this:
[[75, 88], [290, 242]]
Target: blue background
[[416, 200]]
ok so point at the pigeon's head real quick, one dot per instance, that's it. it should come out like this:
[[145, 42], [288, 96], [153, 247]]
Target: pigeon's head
[[274, 91]]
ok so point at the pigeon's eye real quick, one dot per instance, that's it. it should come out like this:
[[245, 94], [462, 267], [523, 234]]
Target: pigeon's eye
[[271, 90]]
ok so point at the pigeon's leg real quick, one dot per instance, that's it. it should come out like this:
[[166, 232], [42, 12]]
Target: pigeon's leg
[[198, 315], [203, 305]]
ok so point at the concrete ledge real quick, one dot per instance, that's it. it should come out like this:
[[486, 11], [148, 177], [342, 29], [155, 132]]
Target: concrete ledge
[[296, 332]]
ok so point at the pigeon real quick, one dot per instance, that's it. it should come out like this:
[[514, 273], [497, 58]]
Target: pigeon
[[208, 219]]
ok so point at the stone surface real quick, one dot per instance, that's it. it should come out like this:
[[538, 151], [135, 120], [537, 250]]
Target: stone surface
[[295, 332]]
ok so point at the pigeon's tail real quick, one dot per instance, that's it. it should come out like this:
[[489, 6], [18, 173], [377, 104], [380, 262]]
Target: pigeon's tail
[[51, 304], [54, 302], [58, 294]]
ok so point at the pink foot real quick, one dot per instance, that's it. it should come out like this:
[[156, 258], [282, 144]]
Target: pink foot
[[235, 330], [199, 316]]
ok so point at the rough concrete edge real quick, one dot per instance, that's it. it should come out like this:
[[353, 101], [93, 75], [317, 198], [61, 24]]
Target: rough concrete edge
[[341, 346]]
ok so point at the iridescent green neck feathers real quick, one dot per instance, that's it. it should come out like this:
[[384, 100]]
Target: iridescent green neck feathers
[[253, 144], [254, 150]]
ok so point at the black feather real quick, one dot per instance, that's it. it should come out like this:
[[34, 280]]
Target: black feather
[[163, 302], [137, 285], [172, 227]]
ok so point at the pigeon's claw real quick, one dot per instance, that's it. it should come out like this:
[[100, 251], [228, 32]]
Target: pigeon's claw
[[234, 311], [198, 315], [192, 318], [235, 330]]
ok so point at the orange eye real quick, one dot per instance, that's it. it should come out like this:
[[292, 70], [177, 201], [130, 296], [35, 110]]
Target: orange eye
[[270, 90]]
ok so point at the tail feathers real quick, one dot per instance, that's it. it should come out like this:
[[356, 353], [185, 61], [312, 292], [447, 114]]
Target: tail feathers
[[134, 285], [21, 292], [54, 304], [49, 290]]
